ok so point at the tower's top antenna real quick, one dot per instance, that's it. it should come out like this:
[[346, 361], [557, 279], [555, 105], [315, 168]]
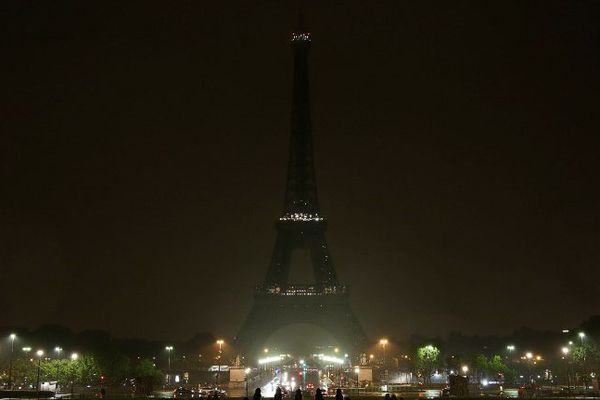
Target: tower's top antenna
[[300, 25], [300, 34]]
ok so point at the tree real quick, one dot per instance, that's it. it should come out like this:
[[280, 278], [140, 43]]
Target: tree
[[147, 376], [427, 361], [586, 359]]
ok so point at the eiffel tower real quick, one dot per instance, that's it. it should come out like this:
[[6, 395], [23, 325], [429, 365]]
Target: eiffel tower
[[278, 302]]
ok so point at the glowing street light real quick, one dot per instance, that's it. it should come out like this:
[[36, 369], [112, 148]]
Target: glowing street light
[[220, 342], [74, 357], [12, 350], [39, 353], [169, 349], [529, 355], [465, 369], [58, 350], [581, 335], [383, 342], [246, 372], [565, 350], [357, 371], [265, 350]]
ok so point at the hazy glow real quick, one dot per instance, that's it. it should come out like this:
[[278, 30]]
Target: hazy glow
[[331, 359], [271, 359]]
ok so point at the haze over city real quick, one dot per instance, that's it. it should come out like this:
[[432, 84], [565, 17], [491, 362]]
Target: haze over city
[[145, 149]]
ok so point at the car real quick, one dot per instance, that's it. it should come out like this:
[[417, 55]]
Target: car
[[183, 393]]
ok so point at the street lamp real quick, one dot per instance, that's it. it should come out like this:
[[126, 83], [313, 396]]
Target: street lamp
[[58, 350], [220, 343], [12, 349], [581, 335], [383, 343], [39, 353], [74, 357], [357, 370], [465, 369], [510, 349], [169, 349], [565, 350], [247, 371], [529, 356]]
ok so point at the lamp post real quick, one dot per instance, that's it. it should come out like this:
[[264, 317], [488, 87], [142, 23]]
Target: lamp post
[[220, 343], [58, 350], [74, 357], [169, 349], [246, 371], [510, 348], [529, 357], [357, 370], [39, 353], [12, 349], [565, 350], [383, 342]]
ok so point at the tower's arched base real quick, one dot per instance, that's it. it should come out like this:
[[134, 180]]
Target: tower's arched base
[[270, 312]]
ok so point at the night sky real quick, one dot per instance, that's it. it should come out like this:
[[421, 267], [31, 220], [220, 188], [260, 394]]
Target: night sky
[[144, 151]]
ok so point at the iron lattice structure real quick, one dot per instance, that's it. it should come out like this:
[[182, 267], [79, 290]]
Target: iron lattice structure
[[279, 302]]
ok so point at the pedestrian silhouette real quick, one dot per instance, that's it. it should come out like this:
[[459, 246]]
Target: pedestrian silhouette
[[318, 395], [387, 396], [339, 395], [278, 394], [257, 395], [298, 395]]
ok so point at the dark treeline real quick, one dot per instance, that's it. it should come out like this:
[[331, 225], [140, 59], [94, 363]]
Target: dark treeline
[[49, 336], [543, 341], [99, 341]]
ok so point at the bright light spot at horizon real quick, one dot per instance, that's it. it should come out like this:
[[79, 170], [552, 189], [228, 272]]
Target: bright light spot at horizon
[[40, 353], [271, 359], [331, 359]]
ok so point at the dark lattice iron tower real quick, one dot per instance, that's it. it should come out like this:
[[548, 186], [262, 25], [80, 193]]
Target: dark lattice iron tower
[[279, 302]]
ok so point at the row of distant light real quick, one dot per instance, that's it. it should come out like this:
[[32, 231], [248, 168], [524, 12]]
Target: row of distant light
[[565, 350], [301, 217], [40, 353]]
